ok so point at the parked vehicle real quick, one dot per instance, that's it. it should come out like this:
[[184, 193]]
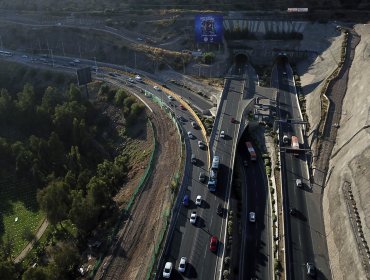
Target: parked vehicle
[[202, 177], [185, 201], [219, 209], [252, 217]]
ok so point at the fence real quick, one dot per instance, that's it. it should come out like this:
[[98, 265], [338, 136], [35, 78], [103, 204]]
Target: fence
[[115, 230]]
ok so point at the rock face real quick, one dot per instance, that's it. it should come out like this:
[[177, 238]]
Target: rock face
[[348, 231]]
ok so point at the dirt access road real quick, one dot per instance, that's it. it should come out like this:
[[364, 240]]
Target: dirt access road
[[131, 256]]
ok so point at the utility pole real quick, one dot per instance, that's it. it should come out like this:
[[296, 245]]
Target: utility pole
[[79, 48], [52, 57], [135, 58], [64, 54]]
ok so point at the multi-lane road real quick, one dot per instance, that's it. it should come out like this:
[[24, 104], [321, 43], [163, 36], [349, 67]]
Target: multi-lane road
[[305, 232]]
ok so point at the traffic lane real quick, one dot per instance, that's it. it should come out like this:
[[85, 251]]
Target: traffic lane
[[190, 96], [300, 236]]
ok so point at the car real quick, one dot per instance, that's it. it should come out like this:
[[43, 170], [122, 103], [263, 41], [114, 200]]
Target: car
[[193, 159], [198, 200], [76, 60], [245, 163], [170, 97], [194, 124], [252, 217], [213, 243], [311, 269], [157, 88], [131, 80], [24, 56], [185, 200], [201, 145], [139, 39], [167, 270], [182, 264], [202, 177], [222, 134], [190, 135], [219, 209], [232, 120], [181, 118], [193, 217], [284, 73], [298, 183], [182, 107], [138, 78], [292, 211]]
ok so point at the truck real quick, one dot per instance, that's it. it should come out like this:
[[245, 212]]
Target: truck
[[212, 182], [295, 145]]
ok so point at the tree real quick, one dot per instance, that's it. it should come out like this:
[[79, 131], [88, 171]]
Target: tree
[[50, 100], [7, 108], [26, 99], [7, 246], [56, 151], [74, 94], [55, 201], [7, 270], [83, 213], [98, 192], [66, 259], [36, 273], [120, 97], [136, 109]]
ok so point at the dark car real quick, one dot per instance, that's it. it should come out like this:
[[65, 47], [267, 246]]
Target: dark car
[[213, 244], [202, 177], [311, 269], [233, 120], [185, 201], [219, 209], [292, 211]]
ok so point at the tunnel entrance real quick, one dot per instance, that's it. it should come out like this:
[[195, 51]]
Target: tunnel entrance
[[240, 59], [281, 59]]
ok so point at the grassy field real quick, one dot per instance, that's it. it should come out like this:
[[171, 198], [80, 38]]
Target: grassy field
[[20, 216]]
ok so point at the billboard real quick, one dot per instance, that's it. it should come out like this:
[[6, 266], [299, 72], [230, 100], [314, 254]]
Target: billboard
[[83, 76], [208, 28]]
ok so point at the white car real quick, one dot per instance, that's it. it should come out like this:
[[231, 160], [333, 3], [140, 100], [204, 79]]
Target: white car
[[182, 264], [167, 270], [138, 78], [198, 200], [252, 217], [157, 88], [131, 80], [76, 60], [170, 97], [190, 135], [222, 134], [201, 145], [193, 217]]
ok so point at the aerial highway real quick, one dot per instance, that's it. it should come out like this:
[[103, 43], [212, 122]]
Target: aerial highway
[[305, 234]]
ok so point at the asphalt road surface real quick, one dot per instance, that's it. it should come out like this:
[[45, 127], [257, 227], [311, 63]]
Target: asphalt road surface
[[305, 230]]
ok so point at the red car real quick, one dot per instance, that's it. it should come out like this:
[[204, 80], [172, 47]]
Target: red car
[[213, 244], [182, 107], [232, 120]]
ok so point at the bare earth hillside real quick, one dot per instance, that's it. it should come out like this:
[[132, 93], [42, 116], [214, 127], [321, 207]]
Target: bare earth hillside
[[349, 167]]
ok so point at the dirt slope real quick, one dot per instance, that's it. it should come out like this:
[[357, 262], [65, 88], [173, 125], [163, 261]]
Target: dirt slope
[[136, 240]]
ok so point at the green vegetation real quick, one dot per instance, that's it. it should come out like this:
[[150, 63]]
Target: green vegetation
[[56, 162]]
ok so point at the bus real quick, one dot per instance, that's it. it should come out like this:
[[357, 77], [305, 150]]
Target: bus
[[251, 151]]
